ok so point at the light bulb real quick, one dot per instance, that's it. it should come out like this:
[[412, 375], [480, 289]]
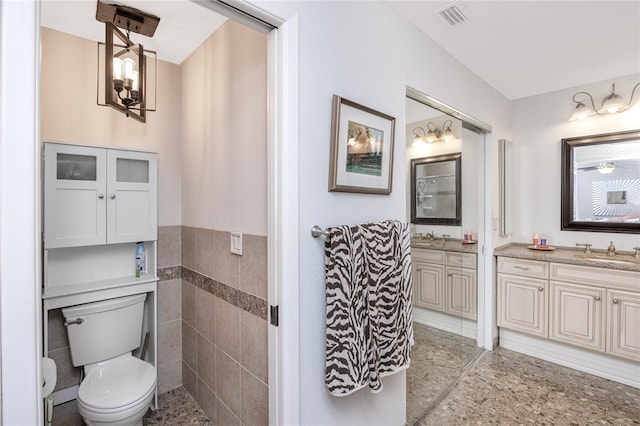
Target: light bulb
[[129, 67], [118, 68], [134, 80]]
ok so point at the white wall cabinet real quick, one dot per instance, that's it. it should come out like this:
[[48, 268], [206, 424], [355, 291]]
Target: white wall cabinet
[[623, 323], [441, 283], [96, 196]]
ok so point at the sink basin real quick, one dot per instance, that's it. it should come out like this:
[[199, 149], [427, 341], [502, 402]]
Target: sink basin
[[429, 244], [608, 260]]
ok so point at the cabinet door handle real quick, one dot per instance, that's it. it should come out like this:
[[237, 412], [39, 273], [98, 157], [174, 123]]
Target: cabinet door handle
[[101, 196], [112, 196], [596, 297], [540, 288], [615, 301], [524, 268], [450, 274]]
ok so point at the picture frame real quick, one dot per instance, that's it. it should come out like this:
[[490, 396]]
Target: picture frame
[[361, 158]]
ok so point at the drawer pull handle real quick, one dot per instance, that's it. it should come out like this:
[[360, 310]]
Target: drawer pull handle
[[597, 298], [540, 288], [615, 301], [524, 268]]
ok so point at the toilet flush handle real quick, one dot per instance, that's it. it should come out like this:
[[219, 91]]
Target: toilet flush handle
[[76, 321]]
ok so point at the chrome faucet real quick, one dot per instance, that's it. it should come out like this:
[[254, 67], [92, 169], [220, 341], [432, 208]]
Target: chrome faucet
[[444, 238], [587, 247], [611, 250], [431, 236]]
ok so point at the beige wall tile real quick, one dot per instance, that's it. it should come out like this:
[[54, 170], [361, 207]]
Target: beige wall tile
[[190, 380], [253, 265], [205, 251], [228, 381], [226, 264], [189, 305], [254, 352], [67, 374], [169, 246], [189, 346], [58, 338], [206, 361], [228, 328], [169, 342], [207, 400], [169, 376], [206, 322], [255, 400], [188, 247], [169, 300], [224, 416]]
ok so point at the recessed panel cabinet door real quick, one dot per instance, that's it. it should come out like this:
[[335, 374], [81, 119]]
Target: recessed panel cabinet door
[[74, 196], [429, 288], [577, 315], [624, 324], [132, 197], [522, 304], [461, 292]]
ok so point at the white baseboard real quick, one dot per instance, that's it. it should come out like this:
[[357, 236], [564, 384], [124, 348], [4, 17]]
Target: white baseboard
[[601, 365], [65, 395], [450, 323]]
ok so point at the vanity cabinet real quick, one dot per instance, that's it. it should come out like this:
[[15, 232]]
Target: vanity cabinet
[[95, 196], [588, 307], [523, 295], [441, 283]]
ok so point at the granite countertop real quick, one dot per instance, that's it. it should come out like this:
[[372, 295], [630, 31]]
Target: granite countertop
[[449, 245], [574, 256]]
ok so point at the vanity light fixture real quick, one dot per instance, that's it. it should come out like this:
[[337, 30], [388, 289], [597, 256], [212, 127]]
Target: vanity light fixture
[[611, 104], [433, 134], [125, 62]]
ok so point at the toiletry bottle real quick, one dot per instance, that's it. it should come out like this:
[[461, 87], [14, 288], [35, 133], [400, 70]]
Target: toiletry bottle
[[141, 255], [535, 239]]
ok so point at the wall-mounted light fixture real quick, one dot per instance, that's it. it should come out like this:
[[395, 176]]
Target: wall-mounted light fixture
[[433, 134], [610, 104], [125, 62]]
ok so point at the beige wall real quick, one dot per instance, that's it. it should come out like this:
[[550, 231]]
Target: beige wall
[[70, 113], [224, 132]]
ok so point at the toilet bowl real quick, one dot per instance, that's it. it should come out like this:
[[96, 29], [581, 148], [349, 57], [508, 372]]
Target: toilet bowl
[[117, 392], [118, 388]]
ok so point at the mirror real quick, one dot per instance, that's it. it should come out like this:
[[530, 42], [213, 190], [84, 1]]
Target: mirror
[[436, 190], [505, 154], [601, 183]]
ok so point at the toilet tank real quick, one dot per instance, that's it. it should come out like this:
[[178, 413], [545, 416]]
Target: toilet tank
[[105, 329]]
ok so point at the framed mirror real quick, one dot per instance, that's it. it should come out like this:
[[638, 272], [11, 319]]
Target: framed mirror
[[601, 183], [436, 190]]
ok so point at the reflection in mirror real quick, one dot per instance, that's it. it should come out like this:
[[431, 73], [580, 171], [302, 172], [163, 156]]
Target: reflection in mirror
[[436, 190], [601, 183], [444, 202], [506, 213]]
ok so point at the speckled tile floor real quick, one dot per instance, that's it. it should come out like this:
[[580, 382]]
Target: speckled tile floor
[[436, 361], [176, 408], [508, 388]]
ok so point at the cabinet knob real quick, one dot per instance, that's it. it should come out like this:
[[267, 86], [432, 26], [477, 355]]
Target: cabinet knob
[[540, 288], [101, 196], [596, 297], [112, 196], [615, 301]]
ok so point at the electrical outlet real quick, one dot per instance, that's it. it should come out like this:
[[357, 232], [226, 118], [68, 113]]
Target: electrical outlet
[[236, 243]]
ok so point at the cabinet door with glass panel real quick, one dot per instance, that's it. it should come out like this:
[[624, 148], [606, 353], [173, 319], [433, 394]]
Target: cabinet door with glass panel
[[98, 196]]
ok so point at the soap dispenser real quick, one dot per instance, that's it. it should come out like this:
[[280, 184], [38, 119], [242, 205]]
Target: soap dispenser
[[141, 255], [611, 250]]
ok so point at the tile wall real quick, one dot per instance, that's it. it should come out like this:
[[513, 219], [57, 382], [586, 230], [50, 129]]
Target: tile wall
[[224, 322]]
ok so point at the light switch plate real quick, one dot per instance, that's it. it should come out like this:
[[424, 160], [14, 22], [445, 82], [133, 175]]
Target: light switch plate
[[236, 243]]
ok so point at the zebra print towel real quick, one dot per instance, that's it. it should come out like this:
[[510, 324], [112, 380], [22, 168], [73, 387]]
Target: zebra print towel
[[369, 330]]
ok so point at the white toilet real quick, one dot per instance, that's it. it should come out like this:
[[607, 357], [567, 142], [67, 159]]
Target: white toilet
[[118, 388]]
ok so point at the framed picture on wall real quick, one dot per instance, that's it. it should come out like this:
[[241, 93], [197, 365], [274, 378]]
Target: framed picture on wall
[[361, 149]]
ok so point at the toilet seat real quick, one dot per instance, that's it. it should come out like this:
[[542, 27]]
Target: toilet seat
[[117, 385]]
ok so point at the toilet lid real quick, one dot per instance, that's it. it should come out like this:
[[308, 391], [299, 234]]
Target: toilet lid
[[117, 383]]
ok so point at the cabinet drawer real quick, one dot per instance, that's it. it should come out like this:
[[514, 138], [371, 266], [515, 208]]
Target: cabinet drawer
[[428, 256], [627, 280], [522, 267], [464, 260]]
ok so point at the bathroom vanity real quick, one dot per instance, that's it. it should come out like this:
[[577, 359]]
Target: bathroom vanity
[[445, 282], [576, 309], [98, 204]]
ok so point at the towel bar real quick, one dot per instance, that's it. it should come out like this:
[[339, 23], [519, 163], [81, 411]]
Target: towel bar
[[316, 232]]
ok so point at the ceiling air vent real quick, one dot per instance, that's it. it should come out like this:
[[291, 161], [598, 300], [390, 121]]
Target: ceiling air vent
[[454, 14]]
